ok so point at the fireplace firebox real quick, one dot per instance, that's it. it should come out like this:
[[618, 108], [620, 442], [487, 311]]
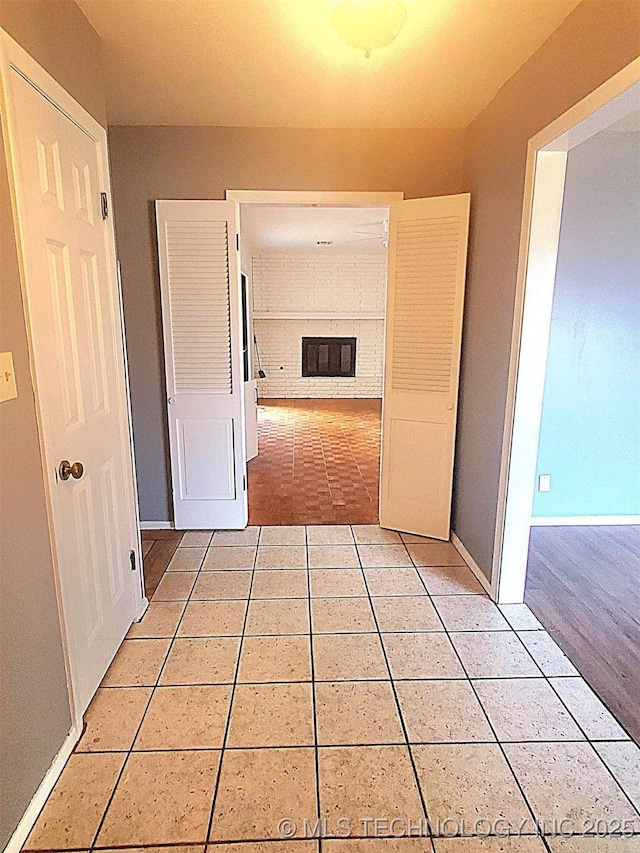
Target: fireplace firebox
[[329, 357]]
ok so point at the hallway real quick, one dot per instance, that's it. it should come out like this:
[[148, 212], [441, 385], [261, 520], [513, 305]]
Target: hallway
[[288, 673], [318, 462]]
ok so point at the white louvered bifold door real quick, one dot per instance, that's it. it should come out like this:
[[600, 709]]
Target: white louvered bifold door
[[425, 296], [200, 288]]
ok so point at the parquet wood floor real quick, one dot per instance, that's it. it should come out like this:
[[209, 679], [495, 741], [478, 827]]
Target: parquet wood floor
[[318, 462]]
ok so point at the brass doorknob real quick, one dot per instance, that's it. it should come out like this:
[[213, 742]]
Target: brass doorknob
[[67, 470]]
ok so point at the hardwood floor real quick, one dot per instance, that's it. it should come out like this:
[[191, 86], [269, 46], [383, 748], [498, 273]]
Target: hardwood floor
[[158, 547], [583, 584], [318, 462]]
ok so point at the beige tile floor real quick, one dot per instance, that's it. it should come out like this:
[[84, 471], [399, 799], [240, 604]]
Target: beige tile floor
[[341, 674]]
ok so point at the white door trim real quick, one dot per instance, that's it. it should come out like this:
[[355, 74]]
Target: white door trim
[[325, 199], [315, 199], [12, 56], [544, 173]]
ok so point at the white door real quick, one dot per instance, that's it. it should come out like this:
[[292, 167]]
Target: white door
[[425, 296], [76, 343], [201, 319]]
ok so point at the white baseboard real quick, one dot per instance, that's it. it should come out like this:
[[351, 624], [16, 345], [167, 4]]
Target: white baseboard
[[475, 568], [584, 520], [157, 525], [17, 840]]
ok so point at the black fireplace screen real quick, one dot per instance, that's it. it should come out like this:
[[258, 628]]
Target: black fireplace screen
[[328, 356]]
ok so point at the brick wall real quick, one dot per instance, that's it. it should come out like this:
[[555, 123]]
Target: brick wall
[[348, 291]]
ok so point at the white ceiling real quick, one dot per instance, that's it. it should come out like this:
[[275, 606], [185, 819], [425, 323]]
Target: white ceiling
[[279, 63], [275, 228]]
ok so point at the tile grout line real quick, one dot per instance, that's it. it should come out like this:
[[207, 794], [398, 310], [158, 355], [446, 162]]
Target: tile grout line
[[470, 682], [313, 690], [586, 739], [344, 680], [179, 845], [513, 630], [142, 718], [331, 745], [172, 845], [398, 709], [231, 698], [542, 630], [490, 724], [154, 688]]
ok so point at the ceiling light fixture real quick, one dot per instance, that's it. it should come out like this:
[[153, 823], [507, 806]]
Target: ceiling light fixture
[[368, 24]]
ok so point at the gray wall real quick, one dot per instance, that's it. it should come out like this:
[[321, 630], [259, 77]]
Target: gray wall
[[203, 162], [63, 42], [598, 39], [198, 162], [590, 430], [34, 705]]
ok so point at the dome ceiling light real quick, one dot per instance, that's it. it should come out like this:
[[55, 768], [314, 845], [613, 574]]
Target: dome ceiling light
[[368, 24]]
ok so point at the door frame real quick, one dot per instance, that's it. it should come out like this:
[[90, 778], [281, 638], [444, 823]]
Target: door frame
[[539, 237], [12, 56], [312, 198], [320, 198]]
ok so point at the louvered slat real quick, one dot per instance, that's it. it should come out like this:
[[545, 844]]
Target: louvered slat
[[198, 273], [425, 299]]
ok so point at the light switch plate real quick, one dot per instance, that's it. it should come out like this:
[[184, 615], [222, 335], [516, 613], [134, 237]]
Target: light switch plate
[[8, 389]]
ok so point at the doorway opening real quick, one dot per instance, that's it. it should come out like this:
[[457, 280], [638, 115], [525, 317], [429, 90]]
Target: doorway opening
[[212, 408], [315, 278], [571, 541]]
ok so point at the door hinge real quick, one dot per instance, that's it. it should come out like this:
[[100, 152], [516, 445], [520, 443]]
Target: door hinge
[[244, 482], [132, 560], [238, 242], [104, 205]]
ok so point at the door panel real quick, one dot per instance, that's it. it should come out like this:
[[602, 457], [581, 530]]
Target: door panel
[[202, 323], [425, 295], [95, 330], [65, 329], [77, 350], [92, 603], [207, 469]]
